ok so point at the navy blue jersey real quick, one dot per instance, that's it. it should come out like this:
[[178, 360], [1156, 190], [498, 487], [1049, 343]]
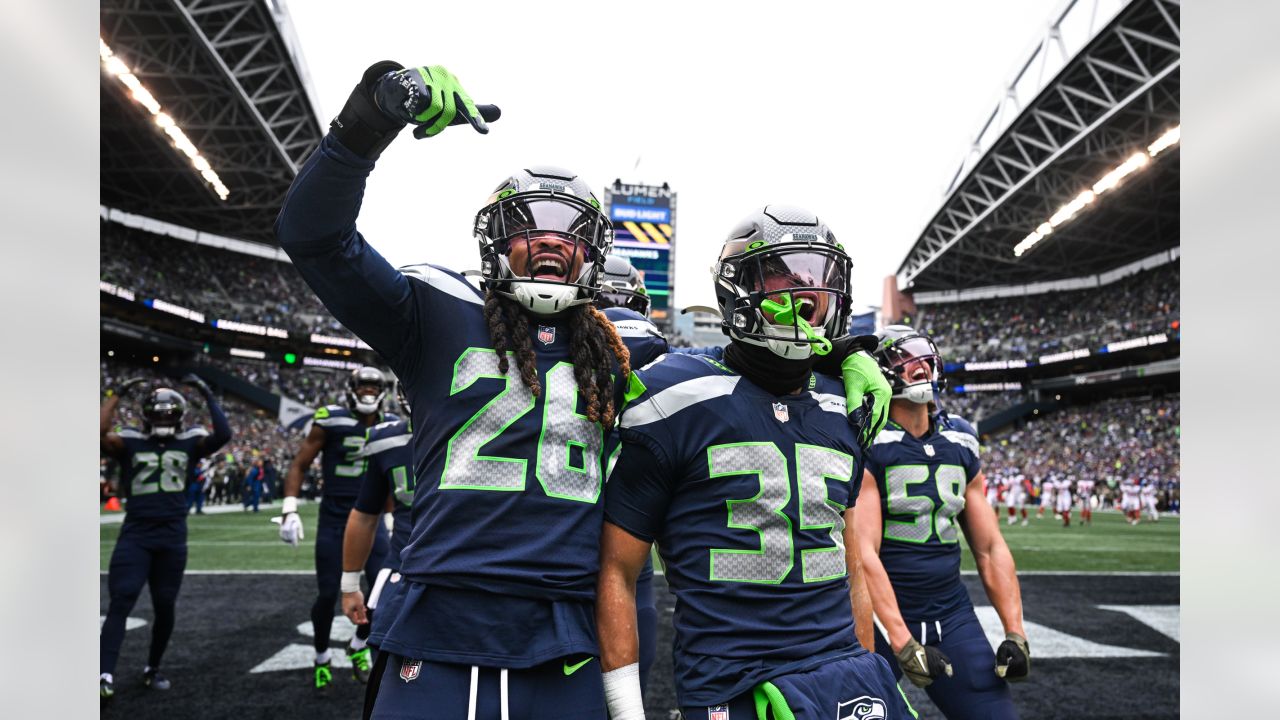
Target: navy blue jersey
[[390, 474], [506, 498], [154, 471], [744, 493], [922, 483], [341, 466]]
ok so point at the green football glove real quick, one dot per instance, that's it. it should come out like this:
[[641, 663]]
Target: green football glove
[[922, 664], [866, 387], [198, 383], [1013, 658], [429, 97]]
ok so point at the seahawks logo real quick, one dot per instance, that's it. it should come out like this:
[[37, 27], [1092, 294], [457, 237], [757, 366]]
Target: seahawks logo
[[863, 708]]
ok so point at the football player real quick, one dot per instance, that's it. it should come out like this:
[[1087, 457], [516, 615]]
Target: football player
[[1148, 493], [387, 487], [1047, 485], [1016, 497], [512, 391], [337, 435], [1129, 502], [622, 286], [1065, 501], [923, 485], [993, 492], [1084, 488], [767, 594], [155, 465]]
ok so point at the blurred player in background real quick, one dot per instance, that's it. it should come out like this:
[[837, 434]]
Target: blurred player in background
[[156, 465], [993, 492], [763, 628], [1015, 498], [1062, 490], [1084, 488], [1048, 484], [1148, 494], [923, 483], [337, 434], [1129, 500]]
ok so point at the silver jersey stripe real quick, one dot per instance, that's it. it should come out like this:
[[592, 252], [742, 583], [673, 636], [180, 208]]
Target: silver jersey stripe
[[962, 439], [337, 422], [193, 432], [381, 444], [678, 397], [131, 434], [888, 436], [444, 282], [829, 402]]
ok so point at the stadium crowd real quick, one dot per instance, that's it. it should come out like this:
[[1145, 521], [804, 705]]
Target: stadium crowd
[[1109, 442], [310, 386], [219, 283], [1028, 326], [976, 406]]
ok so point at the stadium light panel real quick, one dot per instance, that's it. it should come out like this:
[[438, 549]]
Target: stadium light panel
[[116, 68], [1107, 182], [1171, 137]]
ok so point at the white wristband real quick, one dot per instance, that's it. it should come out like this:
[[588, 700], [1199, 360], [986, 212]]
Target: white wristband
[[289, 505], [622, 693], [350, 581]]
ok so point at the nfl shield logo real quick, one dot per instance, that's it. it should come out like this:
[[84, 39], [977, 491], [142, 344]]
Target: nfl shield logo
[[547, 334], [719, 712], [928, 450], [410, 670], [781, 412]]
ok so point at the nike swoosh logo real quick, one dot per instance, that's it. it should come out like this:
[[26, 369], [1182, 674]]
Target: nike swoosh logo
[[921, 659], [571, 669]]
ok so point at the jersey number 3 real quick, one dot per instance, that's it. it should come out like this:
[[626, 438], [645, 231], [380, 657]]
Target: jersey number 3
[[569, 447], [765, 512]]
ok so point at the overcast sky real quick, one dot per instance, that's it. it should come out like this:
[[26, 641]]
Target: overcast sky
[[860, 112]]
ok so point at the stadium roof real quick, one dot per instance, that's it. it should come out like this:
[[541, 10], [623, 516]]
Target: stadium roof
[[228, 74], [1110, 101]]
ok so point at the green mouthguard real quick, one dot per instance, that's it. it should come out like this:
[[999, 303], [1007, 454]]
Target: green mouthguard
[[785, 313]]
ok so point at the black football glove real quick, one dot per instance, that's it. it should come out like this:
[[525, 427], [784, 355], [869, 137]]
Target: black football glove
[[1013, 658], [126, 386], [429, 97], [198, 383], [922, 664]]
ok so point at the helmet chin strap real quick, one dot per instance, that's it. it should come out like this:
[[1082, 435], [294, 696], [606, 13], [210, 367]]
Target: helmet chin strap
[[784, 314], [919, 393]]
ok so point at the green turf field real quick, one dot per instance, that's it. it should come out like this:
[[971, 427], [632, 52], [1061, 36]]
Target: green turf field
[[238, 541]]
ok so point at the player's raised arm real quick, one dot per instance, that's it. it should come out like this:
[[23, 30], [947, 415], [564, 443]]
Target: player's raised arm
[[221, 428], [999, 577], [110, 442], [317, 224]]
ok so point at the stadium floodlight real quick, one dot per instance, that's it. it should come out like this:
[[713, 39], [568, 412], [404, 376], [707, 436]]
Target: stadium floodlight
[[1171, 137], [115, 67], [1107, 182]]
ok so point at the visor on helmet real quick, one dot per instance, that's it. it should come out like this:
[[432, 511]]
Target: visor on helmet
[[797, 287]]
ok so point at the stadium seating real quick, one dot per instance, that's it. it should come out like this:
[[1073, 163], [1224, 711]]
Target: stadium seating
[[219, 283], [1028, 326]]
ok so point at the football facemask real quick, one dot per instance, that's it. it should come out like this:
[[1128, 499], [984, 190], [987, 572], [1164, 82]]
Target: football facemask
[[791, 298], [543, 248], [914, 366]]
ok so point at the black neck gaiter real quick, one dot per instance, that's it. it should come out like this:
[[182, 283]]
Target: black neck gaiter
[[776, 375]]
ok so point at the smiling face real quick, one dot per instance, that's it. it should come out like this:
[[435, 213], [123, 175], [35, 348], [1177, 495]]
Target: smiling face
[[545, 256], [807, 276]]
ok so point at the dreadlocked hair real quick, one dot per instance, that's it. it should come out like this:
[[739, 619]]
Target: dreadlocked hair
[[593, 348], [502, 315]]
